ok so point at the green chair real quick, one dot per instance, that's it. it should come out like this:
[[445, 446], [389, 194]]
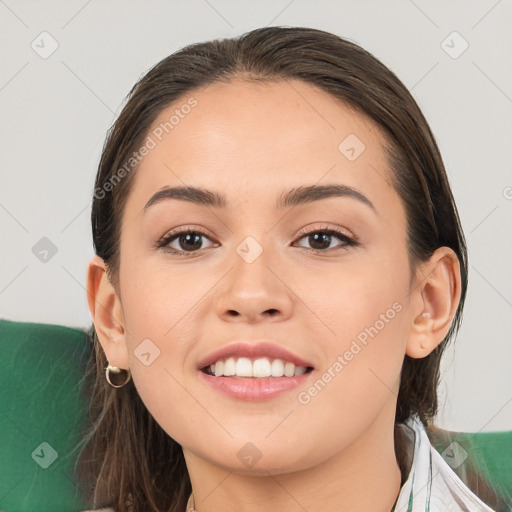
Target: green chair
[[44, 416]]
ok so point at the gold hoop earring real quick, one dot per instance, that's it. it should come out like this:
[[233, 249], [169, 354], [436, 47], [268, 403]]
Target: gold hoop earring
[[116, 371]]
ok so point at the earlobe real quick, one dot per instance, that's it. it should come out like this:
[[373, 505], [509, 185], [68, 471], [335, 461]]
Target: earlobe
[[436, 296], [107, 314]]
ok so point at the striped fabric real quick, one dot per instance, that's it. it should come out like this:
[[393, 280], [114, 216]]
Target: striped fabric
[[432, 485]]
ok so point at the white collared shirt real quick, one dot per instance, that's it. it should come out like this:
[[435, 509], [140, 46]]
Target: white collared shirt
[[432, 485]]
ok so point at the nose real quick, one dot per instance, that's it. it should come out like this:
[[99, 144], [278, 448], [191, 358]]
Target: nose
[[254, 292]]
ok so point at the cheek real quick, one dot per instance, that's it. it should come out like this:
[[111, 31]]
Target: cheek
[[363, 308], [156, 299], [359, 298], [159, 335], [361, 363]]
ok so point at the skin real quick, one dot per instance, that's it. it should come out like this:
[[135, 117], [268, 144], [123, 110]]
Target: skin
[[251, 142]]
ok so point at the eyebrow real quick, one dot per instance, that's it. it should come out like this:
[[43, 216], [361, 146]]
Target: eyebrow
[[294, 197]]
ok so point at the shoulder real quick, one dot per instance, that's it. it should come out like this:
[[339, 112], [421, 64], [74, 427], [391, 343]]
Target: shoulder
[[482, 461]]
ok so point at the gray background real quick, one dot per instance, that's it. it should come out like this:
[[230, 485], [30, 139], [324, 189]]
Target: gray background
[[55, 112]]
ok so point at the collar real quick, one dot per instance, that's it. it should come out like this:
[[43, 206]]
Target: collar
[[432, 485]]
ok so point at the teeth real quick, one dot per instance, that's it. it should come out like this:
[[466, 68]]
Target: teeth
[[219, 369], [277, 368], [289, 369], [243, 367], [259, 368], [230, 367]]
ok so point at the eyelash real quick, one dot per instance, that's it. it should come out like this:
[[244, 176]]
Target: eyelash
[[168, 238]]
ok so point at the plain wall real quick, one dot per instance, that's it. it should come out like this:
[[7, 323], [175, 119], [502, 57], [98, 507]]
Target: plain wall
[[55, 112]]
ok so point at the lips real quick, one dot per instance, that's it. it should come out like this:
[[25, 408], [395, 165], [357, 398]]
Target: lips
[[250, 361]]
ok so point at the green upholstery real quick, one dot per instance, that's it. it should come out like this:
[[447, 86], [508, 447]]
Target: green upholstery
[[495, 448], [484, 455], [492, 453], [44, 416]]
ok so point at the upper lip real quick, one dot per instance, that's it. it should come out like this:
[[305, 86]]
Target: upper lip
[[242, 348]]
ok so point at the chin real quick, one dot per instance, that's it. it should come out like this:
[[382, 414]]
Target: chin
[[262, 457]]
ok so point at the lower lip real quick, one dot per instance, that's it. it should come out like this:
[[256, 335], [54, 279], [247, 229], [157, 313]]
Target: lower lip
[[254, 389]]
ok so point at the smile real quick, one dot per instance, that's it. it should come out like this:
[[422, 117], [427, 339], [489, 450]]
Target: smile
[[255, 368]]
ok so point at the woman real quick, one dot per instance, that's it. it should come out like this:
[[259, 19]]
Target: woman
[[279, 267]]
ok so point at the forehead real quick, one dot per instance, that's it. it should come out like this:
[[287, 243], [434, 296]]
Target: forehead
[[251, 139]]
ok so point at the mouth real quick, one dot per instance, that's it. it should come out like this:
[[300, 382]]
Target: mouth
[[255, 368]]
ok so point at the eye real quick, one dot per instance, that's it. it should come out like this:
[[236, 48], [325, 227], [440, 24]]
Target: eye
[[188, 241], [321, 239], [184, 241]]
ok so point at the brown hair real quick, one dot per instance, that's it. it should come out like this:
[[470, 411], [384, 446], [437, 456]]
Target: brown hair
[[127, 454]]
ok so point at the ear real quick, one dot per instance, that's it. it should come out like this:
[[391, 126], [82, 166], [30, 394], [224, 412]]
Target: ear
[[435, 297], [107, 314]]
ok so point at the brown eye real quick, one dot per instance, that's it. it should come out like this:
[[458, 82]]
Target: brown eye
[[185, 241], [321, 240], [190, 241]]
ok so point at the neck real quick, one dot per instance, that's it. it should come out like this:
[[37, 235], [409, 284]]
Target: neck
[[364, 476]]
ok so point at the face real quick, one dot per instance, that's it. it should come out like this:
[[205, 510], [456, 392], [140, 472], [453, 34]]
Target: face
[[318, 279]]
